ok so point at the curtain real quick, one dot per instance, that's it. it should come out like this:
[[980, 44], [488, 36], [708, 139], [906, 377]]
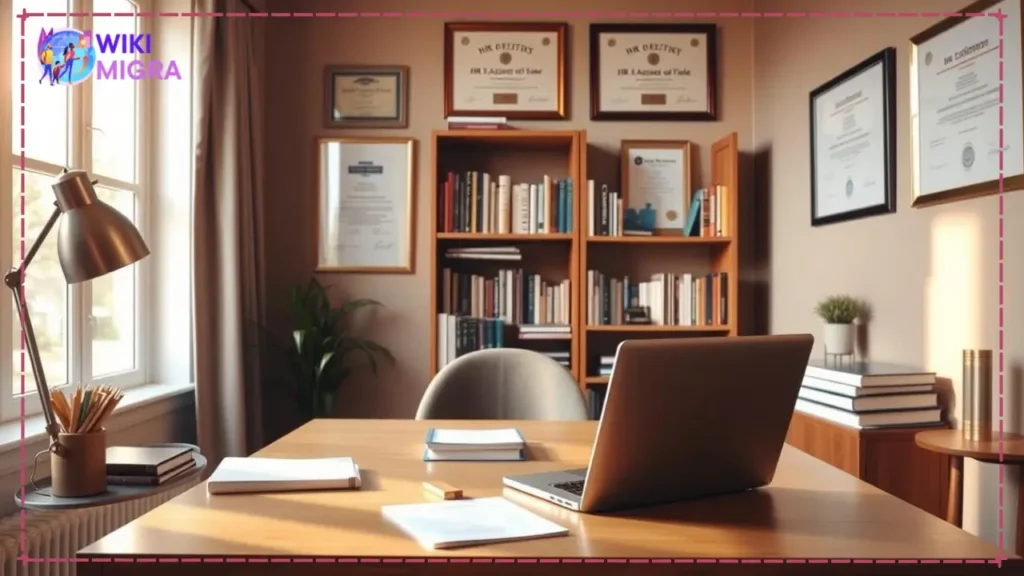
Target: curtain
[[227, 234]]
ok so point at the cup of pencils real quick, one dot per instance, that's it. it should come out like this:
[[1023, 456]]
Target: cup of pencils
[[78, 464]]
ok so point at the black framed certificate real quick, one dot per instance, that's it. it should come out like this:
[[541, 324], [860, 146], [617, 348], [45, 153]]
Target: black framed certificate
[[367, 96], [853, 142]]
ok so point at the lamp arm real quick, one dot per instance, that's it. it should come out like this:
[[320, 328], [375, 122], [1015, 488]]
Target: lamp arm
[[15, 280]]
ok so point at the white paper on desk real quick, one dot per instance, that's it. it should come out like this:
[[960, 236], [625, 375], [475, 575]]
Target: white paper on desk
[[238, 475], [454, 523]]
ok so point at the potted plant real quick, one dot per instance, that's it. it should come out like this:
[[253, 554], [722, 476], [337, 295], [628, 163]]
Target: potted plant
[[839, 312], [323, 352]]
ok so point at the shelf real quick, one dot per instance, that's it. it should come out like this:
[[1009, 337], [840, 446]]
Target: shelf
[[717, 240], [653, 328], [524, 138], [596, 380], [478, 237]]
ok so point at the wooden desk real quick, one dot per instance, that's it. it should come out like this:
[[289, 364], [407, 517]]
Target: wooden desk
[[811, 510]]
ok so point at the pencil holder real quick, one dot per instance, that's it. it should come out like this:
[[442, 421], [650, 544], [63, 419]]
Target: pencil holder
[[79, 467]]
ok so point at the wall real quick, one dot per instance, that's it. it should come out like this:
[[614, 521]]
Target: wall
[[930, 275], [294, 100]]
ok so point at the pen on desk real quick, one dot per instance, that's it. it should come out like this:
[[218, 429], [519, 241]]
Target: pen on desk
[[443, 489]]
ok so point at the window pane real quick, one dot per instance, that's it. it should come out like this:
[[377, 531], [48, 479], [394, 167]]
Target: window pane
[[46, 106], [113, 305], [46, 291], [114, 107]]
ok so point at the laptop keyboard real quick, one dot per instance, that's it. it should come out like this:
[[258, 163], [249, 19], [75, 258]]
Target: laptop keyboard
[[574, 487]]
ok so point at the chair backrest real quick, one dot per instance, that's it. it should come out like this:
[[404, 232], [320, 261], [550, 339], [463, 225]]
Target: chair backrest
[[503, 384]]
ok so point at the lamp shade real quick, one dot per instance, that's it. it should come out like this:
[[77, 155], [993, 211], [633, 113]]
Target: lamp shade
[[94, 238]]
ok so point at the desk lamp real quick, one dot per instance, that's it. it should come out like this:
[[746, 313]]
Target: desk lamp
[[94, 239]]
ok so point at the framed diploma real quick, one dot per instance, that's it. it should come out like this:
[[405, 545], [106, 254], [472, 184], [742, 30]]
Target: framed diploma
[[853, 142], [964, 75], [653, 72], [508, 69], [366, 205], [656, 174], [367, 96]]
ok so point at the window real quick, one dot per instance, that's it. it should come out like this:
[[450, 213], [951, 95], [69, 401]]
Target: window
[[89, 332]]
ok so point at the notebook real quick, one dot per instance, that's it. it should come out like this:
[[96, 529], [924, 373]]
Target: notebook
[[456, 523], [502, 444], [145, 460], [246, 475]]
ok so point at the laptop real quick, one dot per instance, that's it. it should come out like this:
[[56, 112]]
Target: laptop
[[684, 418]]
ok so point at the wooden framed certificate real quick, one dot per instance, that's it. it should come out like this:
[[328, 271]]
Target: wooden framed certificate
[[656, 174], [367, 96], [653, 72], [506, 69], [957, 95]]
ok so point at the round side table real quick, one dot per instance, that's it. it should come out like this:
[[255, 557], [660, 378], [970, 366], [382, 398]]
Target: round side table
[[953, 444], [40, 497]]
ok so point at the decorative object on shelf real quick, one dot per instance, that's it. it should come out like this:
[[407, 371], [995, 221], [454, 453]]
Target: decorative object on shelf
[[960, 147], [366, 202], [94, 240], [853, 142], [79, 470], [656, 174], [977, 390], [367, 97], [839, 312], [653, 72], [514, 70], [640, 220]]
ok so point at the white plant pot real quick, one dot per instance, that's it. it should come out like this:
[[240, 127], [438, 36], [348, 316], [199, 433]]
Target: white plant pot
[[839, 338]]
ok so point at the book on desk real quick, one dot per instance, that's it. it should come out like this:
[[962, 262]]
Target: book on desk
[[498, 445], [253, 475]]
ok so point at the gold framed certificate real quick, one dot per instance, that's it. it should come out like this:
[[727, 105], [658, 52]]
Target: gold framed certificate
[[653, 72], [367, 96], [505, 69]]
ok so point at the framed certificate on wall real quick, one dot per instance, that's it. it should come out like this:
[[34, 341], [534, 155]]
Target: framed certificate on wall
[[505, 69], [367, 96], [653, 72]]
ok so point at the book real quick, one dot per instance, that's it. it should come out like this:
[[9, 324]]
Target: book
[[871, 403], [865, 374], [248, 475], [152, 480], [921, 417], [855, 392], [145, 460], [445, 439], [463, 455], [456, 523]]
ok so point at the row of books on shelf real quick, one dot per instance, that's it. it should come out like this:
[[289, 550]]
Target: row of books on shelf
[[706, 216], [476, 202], [511, 295], [460, 335], [670, 299], [869, 394]]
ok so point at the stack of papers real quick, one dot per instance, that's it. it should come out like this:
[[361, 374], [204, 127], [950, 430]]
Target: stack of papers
[[474, 445], [453, 523], [247, 475]]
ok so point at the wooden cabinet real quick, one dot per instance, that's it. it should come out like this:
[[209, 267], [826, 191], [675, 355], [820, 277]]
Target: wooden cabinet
[[886, 458]]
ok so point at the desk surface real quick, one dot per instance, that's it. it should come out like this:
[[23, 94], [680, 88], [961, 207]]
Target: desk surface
[[811, 510]]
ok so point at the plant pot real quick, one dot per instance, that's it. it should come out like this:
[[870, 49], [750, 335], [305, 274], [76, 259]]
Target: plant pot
[[839, 338]]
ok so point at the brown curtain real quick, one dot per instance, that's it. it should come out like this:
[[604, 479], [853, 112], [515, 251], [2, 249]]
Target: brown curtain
[[227, 244]]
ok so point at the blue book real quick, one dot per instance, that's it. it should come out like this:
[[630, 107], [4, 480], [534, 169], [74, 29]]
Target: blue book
[[466, 445]]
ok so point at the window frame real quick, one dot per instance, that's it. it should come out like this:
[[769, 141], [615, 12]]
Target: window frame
[[80, 142]]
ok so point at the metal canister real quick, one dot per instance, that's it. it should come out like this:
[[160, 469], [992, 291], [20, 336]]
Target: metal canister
[[977, 395]]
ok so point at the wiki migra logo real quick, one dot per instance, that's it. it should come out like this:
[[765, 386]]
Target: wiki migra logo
[[69, 57]]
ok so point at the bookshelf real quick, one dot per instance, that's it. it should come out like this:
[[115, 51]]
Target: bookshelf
[[537, 286], [639, 258]]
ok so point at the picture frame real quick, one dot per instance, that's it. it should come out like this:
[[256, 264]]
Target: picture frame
[[853, 142], [525, 64], [366, 202], [654, 72], [659, 173], [366, 96], [971, 153]]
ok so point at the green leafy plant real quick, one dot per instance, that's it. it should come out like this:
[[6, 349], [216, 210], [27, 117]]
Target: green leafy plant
[[840, 309], [323, 352]]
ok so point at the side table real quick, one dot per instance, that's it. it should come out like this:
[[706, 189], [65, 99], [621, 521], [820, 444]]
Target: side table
[[40, 498], [953, 443]]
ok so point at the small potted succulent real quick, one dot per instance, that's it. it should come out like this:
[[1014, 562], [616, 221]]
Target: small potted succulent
[[839, 312]]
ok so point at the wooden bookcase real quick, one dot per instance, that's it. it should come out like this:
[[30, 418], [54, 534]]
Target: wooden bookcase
[[640, 256], [527, 156]]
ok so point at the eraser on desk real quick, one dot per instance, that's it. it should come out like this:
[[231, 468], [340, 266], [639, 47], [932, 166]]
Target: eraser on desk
[[443, 489]]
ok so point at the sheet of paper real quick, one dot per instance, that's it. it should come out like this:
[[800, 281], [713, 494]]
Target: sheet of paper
[[477, 437]]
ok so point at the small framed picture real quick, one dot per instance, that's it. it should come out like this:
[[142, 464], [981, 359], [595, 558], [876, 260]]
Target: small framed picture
[[367, 97]]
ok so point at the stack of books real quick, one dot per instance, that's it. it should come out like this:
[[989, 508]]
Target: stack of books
[[545, 332], [869, 394], [504, 444], [147, 465], [605, 367], [485, 253], [560, 356]]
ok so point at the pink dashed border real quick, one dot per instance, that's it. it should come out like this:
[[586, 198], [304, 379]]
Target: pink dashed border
[[525, 15]]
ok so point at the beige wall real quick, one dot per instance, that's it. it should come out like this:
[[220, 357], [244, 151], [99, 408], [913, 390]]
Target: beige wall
[[930, 274]]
